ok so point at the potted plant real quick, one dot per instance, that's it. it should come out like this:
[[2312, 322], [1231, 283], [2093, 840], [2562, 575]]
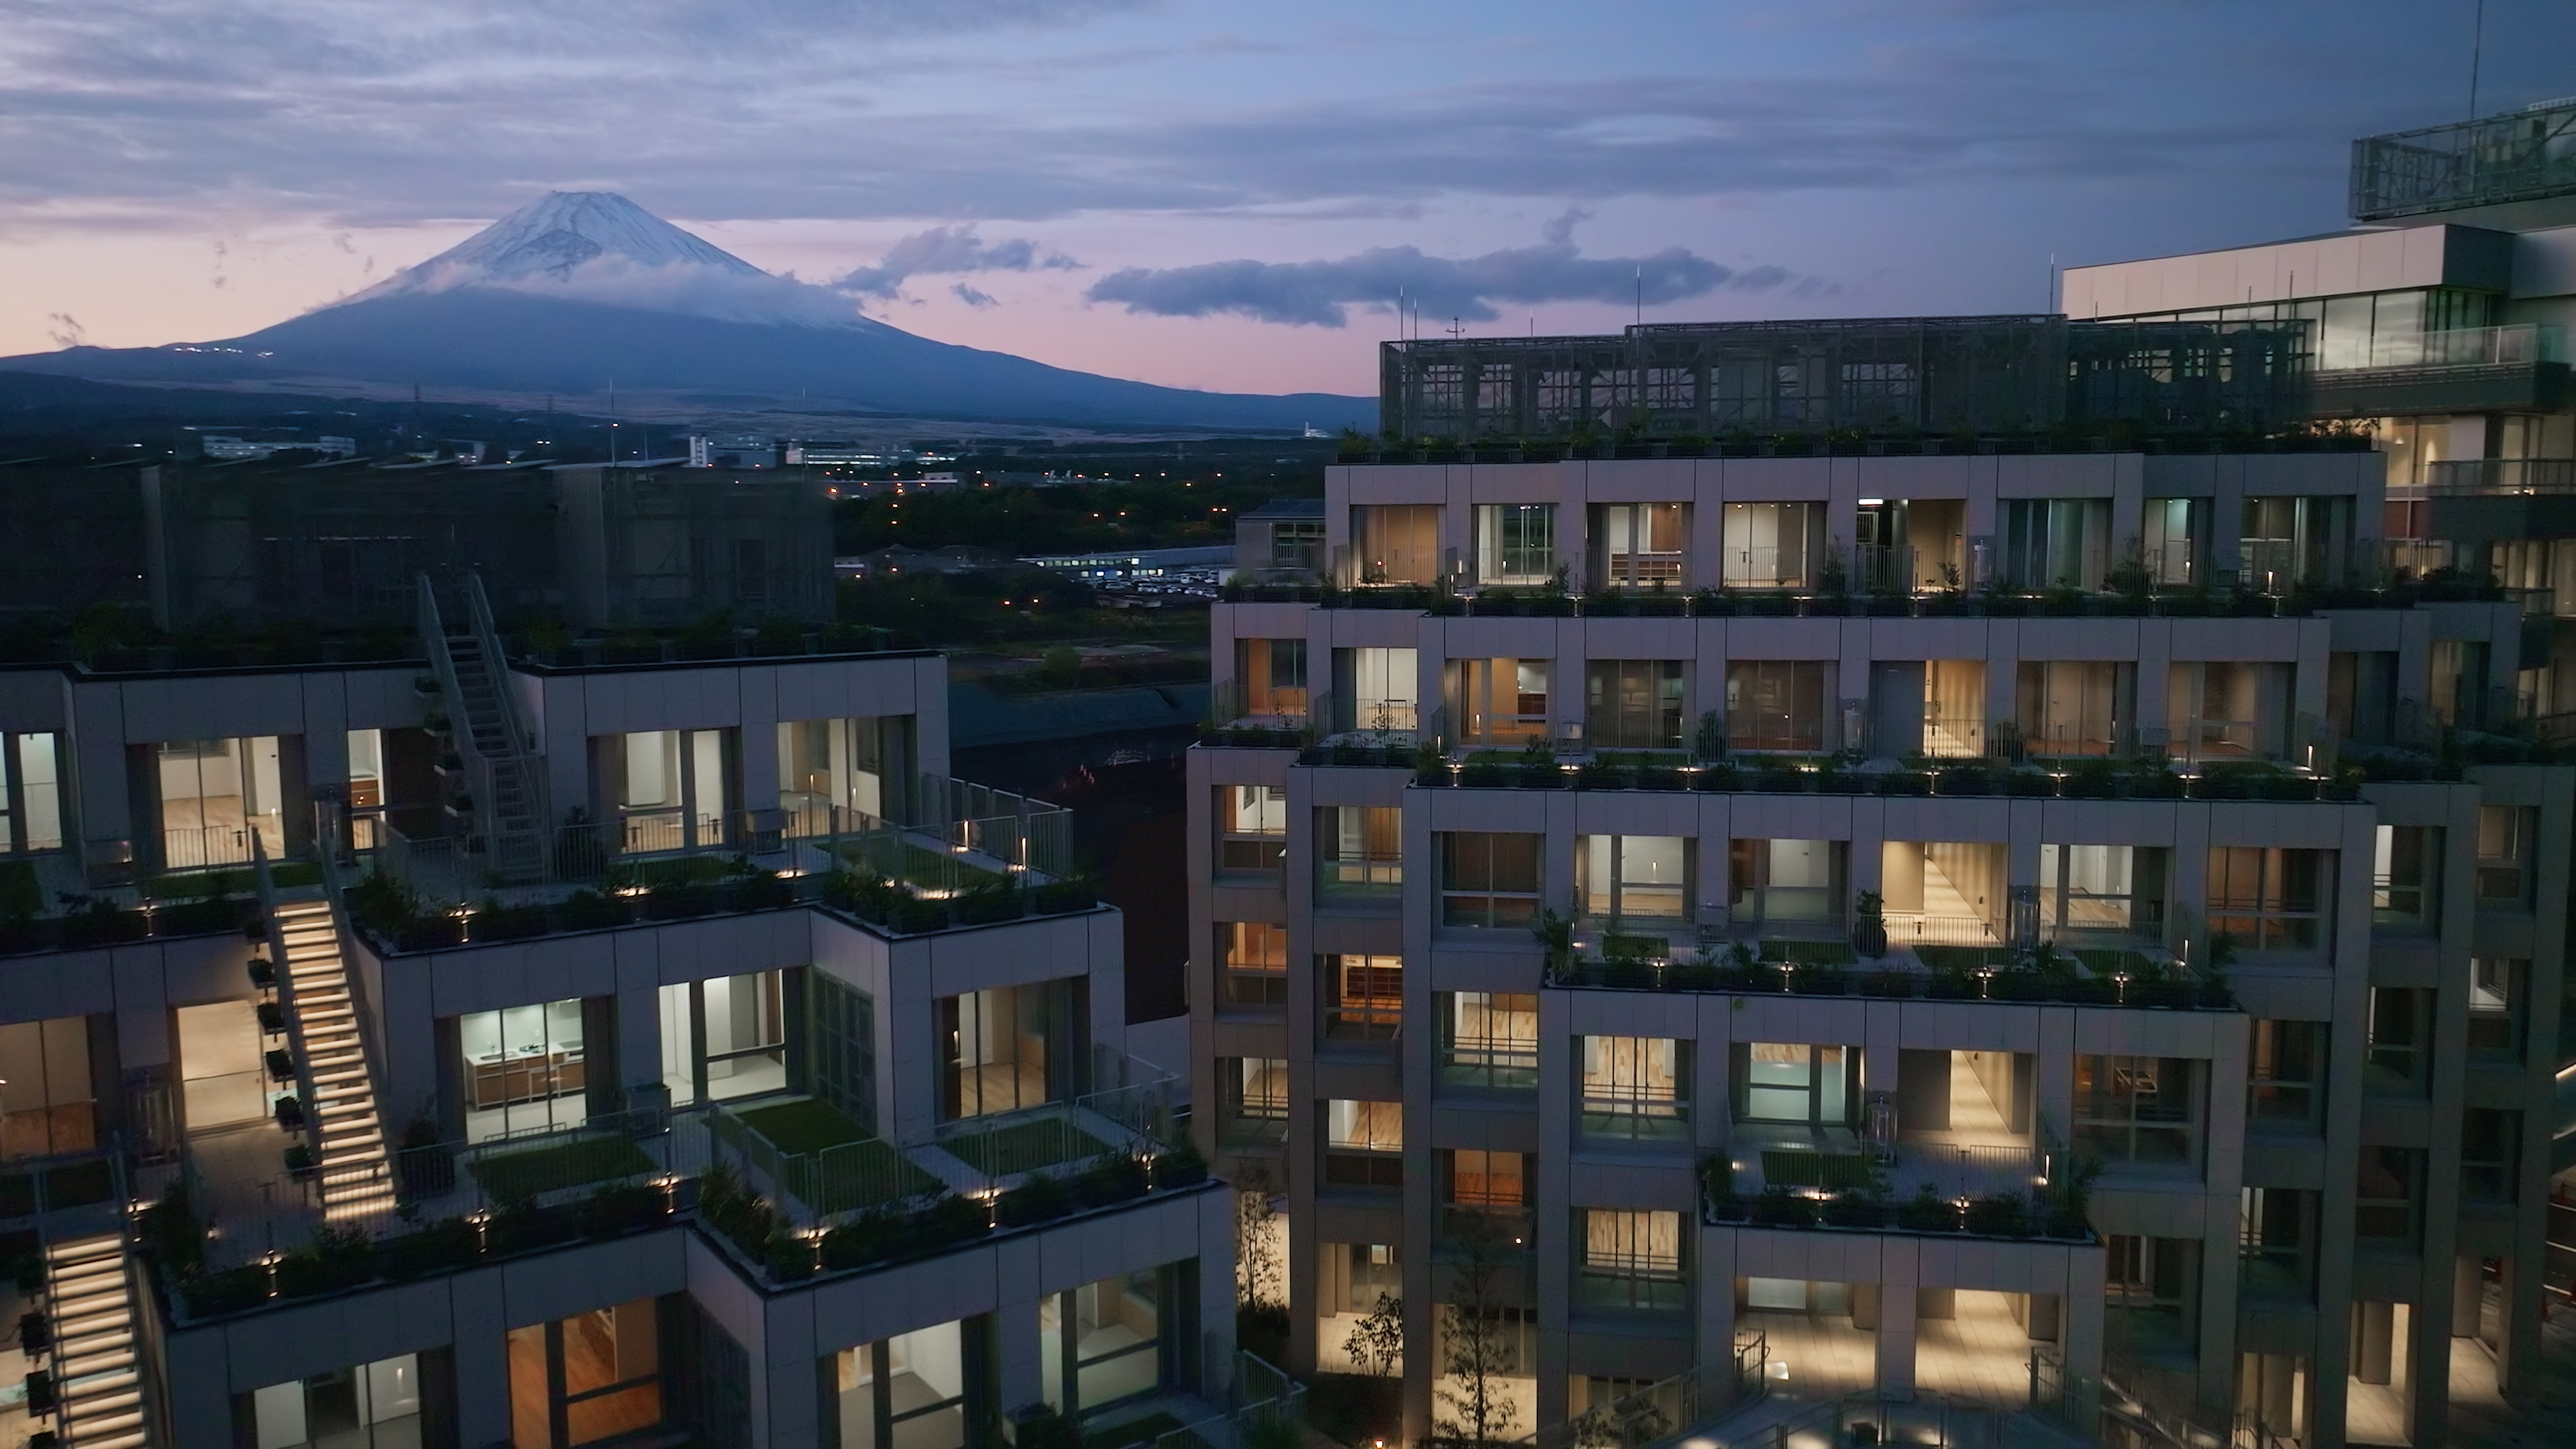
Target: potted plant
[[301, 1164], [1869, 925]]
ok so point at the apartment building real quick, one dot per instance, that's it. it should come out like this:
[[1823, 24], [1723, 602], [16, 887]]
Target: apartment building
[[1989, 860], [480, 1041]]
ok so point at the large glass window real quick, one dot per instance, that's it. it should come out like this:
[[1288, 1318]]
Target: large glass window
[[669, 788], [2220, 710], [2276, 1240], [1253, 1093], [2137, 1109], [593, 1376], [1632, 1261], [31, 793], [1362, 848], [2269, 900], [1363, 1144], [372, 1406], [825, 764], [2054, 543], [2490, 1154], [2504, 854], [1776, 704], [1635, 1087], [2148, 1285], [1270, 675], [2167, 539], [2076, 707], [1254, 964], [1380, 689], [2286, 1073], [1633, 879], [2387, 1193], [1105, 1340], [214, 795], [724, 1038], [222, 1079], [1008, 1047], [47, 1102], [1790, 1081], [1488, 1039], [1636, 545], [366, 786], [2112, 888], [2406, 877], [1515, 543], [909, 1391], [1252, 827], [841, 1046], [1396, 543], [2400, 1041], [1633, 704], [2499, 995], [1489, 878], [1363, 997], [1499, 701], [2294, 540], [1768, 545], [1781, 880], [1482, 1179], [524, 1069]]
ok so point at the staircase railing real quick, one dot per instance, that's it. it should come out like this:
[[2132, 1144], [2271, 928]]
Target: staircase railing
[[330, 828], [310, 1132], [483, 772], [496, 666]]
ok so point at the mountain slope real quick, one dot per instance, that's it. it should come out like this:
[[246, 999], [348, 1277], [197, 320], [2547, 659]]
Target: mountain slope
[[582, 291]]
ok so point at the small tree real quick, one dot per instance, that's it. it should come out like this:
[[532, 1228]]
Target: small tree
[[1258, 1280], [1483, 1345], [1376, 1344]]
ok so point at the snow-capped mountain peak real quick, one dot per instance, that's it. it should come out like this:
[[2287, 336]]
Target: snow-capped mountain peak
[[597, 246], [558, 232]]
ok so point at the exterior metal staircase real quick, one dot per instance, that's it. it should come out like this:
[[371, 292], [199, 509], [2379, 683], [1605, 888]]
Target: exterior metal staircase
[[98, 1380], [356, 1171], [505, 786]]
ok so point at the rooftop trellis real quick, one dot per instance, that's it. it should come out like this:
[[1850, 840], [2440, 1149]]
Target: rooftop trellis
[[2518, 156], [1911, 374]]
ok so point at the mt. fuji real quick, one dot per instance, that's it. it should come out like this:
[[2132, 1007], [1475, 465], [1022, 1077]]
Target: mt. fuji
[[583, 290]]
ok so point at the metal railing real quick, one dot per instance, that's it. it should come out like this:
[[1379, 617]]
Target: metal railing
[[2470, 477], [1662, 1411], [963, 836], [981, 1154], [211, 846], [2513, 344]]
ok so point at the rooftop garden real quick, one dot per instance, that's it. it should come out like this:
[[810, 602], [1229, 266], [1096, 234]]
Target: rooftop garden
[[399, 919], [844, 1202], [199, 903]]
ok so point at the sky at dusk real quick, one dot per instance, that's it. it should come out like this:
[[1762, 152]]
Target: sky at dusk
[[1223, 196]]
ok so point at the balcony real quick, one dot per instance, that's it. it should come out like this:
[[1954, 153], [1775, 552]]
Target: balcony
[[2501, 478], [2134, 975], [2516, 368], [231, 1237], [974, 856]]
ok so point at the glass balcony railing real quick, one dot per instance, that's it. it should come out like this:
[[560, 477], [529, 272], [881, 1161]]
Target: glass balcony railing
[[2518, 344]]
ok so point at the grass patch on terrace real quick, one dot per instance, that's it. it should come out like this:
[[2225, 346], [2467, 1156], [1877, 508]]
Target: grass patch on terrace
[[831, 1163], [530, 1171], [1810, 953], [919, 865], [1023, 1146], [808, 1124], [1964, 958]]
